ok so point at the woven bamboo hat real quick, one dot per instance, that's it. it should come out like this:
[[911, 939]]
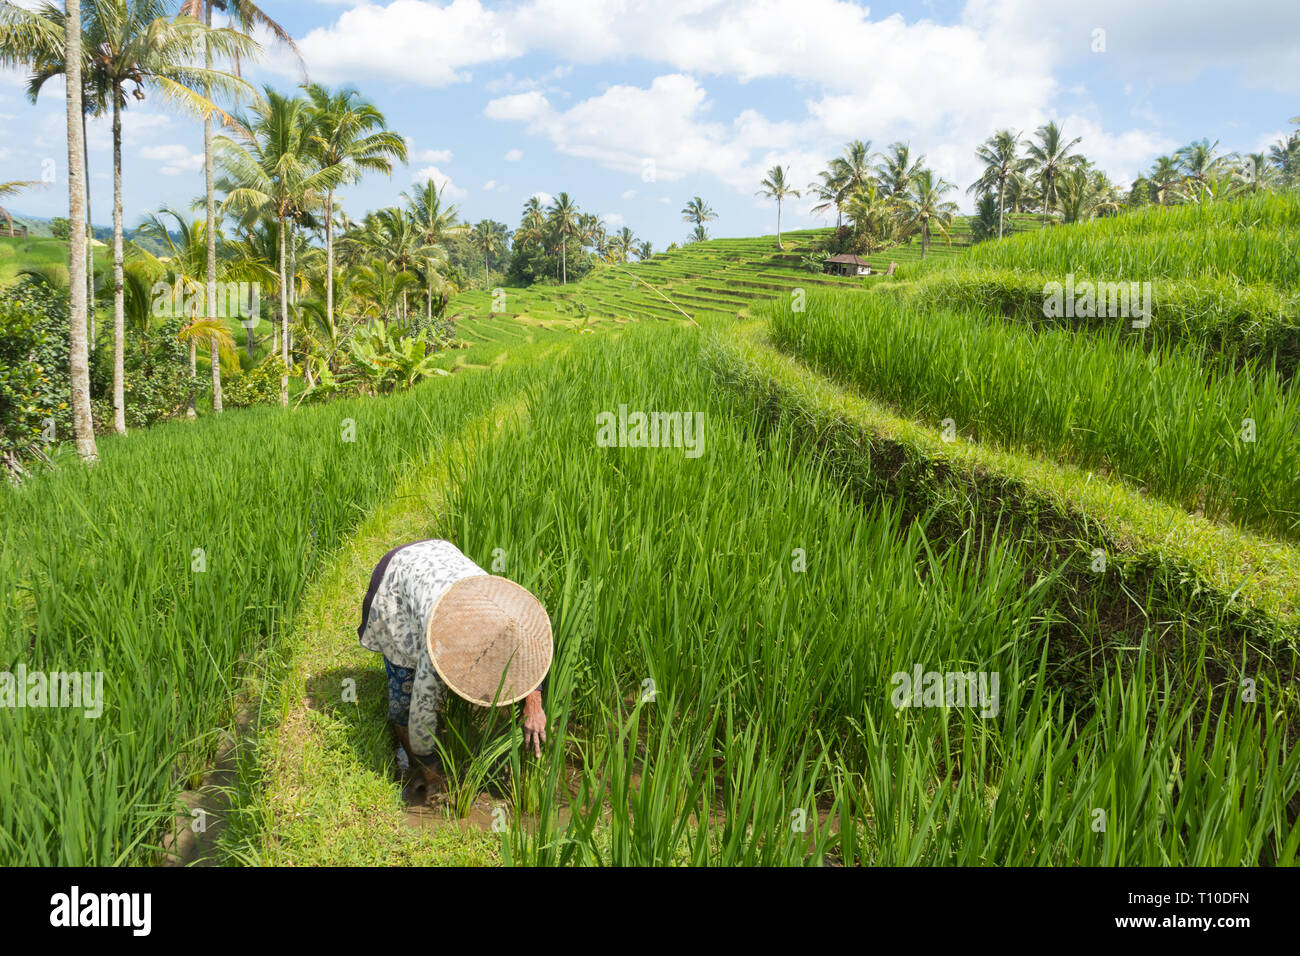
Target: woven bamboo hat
[[485, 633]]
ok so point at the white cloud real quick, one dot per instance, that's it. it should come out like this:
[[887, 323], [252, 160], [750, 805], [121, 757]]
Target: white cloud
[[1177, 39], [493, 186], [545, 198], [629, 194], [432, 156], [612, 220], [514, 156], [176, 159], [422, 43], [441, 179]]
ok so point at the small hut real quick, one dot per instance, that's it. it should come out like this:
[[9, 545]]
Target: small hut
[[848, 265], [12, 227]]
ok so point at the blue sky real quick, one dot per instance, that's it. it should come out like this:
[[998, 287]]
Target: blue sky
[[635, 107]]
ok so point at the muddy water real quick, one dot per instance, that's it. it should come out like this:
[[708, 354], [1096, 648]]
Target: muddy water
[[195, 833], [429, 805]]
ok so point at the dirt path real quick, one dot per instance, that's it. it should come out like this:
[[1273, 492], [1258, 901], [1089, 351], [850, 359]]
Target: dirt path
[[329, 792]]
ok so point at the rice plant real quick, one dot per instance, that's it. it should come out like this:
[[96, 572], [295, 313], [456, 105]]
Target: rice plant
[[722, 703], [166, 567], [1215, 439]]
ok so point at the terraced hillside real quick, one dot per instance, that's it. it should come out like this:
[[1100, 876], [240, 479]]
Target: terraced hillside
[[719, 276]]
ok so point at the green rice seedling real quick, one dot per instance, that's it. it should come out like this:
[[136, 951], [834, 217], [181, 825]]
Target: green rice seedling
[[1252, 239], [165, 568], [676, 574], [1223, 441]]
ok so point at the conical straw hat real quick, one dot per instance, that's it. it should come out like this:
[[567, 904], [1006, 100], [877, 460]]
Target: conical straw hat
[[485, 628]]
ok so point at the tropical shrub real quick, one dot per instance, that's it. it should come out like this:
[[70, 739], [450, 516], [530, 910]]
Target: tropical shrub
[[260, 385], [34, 385]]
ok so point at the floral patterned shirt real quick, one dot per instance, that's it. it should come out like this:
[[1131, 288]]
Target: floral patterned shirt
[[395, 616]]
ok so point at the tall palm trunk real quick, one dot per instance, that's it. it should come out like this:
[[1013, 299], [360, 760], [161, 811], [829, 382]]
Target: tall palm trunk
[[90, 228], [119, 292], [1002, 208], [329, 259], [194, 374], [293, 292], [214, 351], [78, 354], [564, 263], [778, 224], [284, 322]]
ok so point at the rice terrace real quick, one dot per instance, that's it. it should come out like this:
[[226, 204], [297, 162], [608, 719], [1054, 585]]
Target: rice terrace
[[798, 484]]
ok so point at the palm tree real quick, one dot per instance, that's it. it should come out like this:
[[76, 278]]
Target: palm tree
[[398, 239], [644, 251], [1002, 164], [698, 212], [532, 224], [926, 208], [856, 165], [352, 134], [830, 189], [79, 357], [1199, 163], [11, 189], [1284, 156], [897, 170], [1049, 158], [435, 224], [562, 218], [1255, 172], [184, 265], [698, 234], [244, 17], [623, 244], [134, 44], [872, 214], [777, 186], [270, 171], [1163, 178], [35, 39], [487, 237]]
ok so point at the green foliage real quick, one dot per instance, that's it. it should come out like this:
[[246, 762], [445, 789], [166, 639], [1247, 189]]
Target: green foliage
[[59, 228], [815, 261], [34, 383], [1251, 239], [157, 384], [1167, 420], [260, 385], [985, 223], [98, 573]]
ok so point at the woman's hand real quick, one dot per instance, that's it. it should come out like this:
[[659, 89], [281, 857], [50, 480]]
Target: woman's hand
[[534, 722]]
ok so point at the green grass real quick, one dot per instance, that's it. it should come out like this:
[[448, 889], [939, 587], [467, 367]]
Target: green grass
[[682, 572], [1252, 240], [37, 253], [1158, 418], [770, 589], [97, 575]]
